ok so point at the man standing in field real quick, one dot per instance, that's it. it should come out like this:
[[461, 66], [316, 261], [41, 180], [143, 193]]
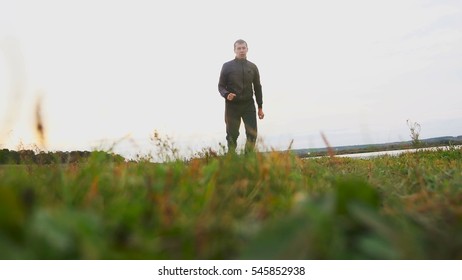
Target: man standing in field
[[239, 81]]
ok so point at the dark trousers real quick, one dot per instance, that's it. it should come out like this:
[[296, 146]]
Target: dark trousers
[[234, 112]]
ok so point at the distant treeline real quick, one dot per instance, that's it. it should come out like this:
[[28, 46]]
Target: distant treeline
[[30, 157], [424, 143]]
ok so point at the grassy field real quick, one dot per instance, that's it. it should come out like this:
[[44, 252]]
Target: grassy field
[[260, 206]]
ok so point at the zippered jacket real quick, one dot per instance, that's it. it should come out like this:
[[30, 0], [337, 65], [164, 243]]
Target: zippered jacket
[[241, 77]]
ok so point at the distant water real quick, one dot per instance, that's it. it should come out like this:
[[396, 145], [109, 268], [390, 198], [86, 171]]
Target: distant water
[[395, 152]]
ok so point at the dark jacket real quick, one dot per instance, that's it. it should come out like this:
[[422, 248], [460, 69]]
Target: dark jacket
[[241, 77]]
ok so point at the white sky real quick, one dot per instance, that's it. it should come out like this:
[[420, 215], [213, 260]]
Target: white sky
[[355, 70]]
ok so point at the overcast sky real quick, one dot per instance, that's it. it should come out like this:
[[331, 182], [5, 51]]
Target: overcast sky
[[104, 70]]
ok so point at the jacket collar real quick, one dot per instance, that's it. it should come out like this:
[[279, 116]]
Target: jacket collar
[[240, 60]]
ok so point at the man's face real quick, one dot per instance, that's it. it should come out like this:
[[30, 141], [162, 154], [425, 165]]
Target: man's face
[[240, 50]]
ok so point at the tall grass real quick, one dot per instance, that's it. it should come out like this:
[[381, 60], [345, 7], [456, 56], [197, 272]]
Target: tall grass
[[262, 205]]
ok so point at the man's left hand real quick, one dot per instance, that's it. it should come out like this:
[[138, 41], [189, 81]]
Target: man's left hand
[[261, 115]]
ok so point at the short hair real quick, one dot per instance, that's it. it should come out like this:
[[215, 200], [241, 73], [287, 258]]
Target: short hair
[[240, 41]]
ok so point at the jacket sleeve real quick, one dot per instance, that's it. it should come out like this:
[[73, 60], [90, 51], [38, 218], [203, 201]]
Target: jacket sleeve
[[258, 88], [222, 83]]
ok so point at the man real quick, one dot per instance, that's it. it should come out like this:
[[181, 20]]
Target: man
[[239, 82]]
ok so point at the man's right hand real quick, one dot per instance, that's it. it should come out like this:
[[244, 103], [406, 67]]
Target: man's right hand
[[231, 96]]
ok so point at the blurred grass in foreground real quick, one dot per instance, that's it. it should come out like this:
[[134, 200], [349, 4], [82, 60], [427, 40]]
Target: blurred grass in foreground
[[259, 206]]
